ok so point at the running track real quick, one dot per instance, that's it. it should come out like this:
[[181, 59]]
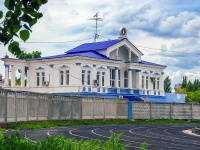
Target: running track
[[158, 137]]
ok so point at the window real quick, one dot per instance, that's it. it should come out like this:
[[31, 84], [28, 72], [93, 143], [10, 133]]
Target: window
[[43, 77], [158, 83], [147, 82], [83, 77], [154, 85], [143, 82], [112, 77], [61, 77], [119, 78], [38, 79], [67, 77], [126, 78], [88, 77], [98, 77], [103, 79]]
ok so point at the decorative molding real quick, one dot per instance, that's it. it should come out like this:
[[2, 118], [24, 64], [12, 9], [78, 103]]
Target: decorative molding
[[78, 64], [116, 68], [145, 72], [51, 65], [84, 89], [156, 73], [64, 66], [39, 68], [26, 68], [86, 66], [101, 67], [94, 65], [89, 89], [138, 70], [130, 69], [6, 65]]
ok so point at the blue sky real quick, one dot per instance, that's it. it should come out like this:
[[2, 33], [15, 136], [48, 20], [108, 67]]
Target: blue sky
[[166, 31]]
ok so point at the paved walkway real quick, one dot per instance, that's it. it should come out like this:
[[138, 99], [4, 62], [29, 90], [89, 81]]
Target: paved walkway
[[158, 137]]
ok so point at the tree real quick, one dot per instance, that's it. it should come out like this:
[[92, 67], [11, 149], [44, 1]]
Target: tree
[[167, 84], [184, 82], [189, 86], [21, 15]]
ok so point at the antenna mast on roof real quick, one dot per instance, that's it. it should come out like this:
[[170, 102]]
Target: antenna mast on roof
[[95, 17]]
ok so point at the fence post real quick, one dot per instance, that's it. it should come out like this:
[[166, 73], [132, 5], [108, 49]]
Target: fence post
[[130, 110], [150, 110], [60, 98], [27, 107], [81, 108], [15, 98], [38, 105], [191, 111], [6, 102], [117, 102], [170, 110], [71, 108], [93, 109], [104, 109]]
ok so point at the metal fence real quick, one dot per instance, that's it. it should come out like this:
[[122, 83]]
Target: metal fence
[[27, 106], [165, 110]]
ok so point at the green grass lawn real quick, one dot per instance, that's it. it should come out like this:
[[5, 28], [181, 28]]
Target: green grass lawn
[[58, 142], [47, 124]]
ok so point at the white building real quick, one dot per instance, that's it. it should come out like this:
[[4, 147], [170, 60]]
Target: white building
[[110, 68]]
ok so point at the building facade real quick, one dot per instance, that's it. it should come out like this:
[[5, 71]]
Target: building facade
[[112, 68]]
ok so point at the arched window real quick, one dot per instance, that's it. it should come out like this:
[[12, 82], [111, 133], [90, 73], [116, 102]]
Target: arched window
[[126, 78]]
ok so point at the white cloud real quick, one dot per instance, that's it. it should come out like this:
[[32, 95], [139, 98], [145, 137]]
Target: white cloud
[[154, 24]]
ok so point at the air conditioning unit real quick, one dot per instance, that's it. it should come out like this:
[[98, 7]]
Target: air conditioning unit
[[45, 83], [95, 82], [153, 79], [120, 96]]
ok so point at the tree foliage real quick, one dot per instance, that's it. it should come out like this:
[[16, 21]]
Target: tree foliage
[[184, 82], [17, 22], [167, 84], [191, 89]]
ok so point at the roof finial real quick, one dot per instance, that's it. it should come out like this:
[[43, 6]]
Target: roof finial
[[6, 56], [123, 33], [97, 19]]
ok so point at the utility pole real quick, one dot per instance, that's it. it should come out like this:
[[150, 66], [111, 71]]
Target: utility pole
[[96, 18]]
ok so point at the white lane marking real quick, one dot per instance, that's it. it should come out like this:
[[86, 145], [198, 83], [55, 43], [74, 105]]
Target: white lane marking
[[171, 137], [70, 132], [190, 133], [163, 141], [113, 132]]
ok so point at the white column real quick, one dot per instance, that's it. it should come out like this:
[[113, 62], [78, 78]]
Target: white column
[[13, 76], [139, 79], [116, 78], [6, 82], [129, 56], [27, 76], [52, 75], [130, 84], [117, 53], [76, 72], [22, 77], [108, 77], [85, 78]]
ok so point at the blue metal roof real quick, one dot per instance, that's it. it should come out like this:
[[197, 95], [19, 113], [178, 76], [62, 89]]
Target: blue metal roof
[[94, 46], [150, 63], [85, 54]]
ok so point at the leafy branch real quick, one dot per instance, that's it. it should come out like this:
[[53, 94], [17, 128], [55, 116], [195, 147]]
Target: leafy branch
[[20, 17]]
